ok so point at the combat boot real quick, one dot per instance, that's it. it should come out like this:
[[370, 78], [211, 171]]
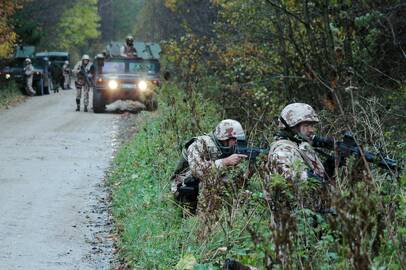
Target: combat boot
[[85, 110], [77, 105]]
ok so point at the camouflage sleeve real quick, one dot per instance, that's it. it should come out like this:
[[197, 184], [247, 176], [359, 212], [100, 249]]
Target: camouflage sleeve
[[122, 51], [286, 161], [28, 70], [200, 162], [76, 69]]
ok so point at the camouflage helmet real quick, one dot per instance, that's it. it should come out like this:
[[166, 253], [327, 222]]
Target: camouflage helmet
[[129, 38], [297, 113], [228, 129], [85, 57], [27, 60]]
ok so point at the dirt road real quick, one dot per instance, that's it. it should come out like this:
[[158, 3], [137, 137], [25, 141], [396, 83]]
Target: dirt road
[[52, 201]]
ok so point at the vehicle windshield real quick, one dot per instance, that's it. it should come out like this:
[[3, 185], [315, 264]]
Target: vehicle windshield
[[114, 67], [58, 58], [119, 67], [144, 67]]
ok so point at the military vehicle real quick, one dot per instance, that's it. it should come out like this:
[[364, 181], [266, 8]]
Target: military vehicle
[[57, 60], [15, 64], [127, 78], [14, 69]]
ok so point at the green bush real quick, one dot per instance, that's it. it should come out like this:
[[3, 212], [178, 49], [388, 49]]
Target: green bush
[[9, 93]]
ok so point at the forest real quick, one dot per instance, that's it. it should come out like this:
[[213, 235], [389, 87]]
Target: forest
[[246, 60]]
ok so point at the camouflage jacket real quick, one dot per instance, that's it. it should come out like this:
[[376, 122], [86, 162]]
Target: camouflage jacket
[[79, 76], [200, 157], [294, 160], [66, 69], [203, 156], [128, 51], [28, 70]]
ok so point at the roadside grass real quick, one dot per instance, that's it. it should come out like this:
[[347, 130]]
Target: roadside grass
[[10, 94], [152, 231]]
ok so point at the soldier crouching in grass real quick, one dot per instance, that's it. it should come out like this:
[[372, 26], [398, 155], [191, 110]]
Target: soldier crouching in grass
[[303, 180], [202, 170]]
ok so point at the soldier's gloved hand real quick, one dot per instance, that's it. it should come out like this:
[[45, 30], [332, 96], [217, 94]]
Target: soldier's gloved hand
[[233, 160]]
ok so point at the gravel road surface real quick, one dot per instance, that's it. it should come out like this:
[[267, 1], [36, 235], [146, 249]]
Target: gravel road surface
[[53, 203]]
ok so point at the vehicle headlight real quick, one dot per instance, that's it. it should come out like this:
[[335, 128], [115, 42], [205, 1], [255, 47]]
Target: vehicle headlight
[[113, 84], [8, 76], [142, 85]]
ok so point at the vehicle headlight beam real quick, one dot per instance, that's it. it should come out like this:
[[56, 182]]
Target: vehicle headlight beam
[[113, 84], [142, 85]]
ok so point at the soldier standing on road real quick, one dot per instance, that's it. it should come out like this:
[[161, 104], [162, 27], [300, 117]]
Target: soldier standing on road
[[28, 72], [204, 161], [84, 72], [66, 75], [56, 76], [128, 50]]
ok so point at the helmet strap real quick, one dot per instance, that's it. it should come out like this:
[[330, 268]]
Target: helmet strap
[[291, 133]]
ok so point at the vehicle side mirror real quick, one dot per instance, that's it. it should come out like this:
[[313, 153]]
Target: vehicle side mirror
[[99, 62]]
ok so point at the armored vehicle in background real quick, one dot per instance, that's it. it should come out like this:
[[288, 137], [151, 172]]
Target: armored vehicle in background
[[54, 70], [127, 78], [15, 65], [14, 70]]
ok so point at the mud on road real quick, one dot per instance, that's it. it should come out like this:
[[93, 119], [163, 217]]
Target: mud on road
[[54, 204]]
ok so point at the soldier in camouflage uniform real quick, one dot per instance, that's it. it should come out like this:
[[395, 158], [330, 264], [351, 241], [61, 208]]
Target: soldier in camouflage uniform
[[128, 50], [292, 155], [206, 158], [28, 72], [66, 75], [84, 72]]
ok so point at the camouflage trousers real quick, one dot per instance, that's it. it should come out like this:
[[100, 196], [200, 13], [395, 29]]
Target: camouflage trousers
[[30, 90], [66, 81], [86, 90]]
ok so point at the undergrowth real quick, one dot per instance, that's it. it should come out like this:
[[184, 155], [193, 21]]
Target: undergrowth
[[9, 94], [367, 232]]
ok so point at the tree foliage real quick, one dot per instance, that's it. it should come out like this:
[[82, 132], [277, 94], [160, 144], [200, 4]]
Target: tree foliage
[[251, 58], [79, 24], [7, 33], [118, 17]]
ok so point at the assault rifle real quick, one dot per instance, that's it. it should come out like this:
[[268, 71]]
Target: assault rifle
[[85, 74], [231, 264], [251, 152], [348, 146]]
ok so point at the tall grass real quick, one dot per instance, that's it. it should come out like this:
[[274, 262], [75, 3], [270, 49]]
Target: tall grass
[[9, 94]]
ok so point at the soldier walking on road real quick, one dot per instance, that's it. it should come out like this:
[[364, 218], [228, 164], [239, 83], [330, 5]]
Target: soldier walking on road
[[56, 76], [28, 72], [84, 72], [66, 75]]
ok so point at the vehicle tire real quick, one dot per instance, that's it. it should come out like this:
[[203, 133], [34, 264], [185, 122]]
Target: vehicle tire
[[40, 87], [99, 104], [151, 104]]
